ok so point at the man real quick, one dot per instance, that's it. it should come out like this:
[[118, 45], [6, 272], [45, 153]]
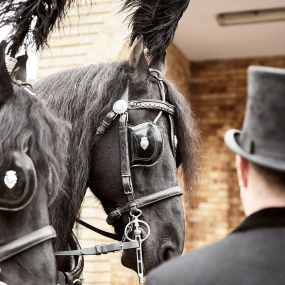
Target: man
[[253, 254]]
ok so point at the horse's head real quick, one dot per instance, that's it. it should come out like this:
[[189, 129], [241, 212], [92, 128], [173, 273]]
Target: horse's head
[[141, 141], [31, 147]]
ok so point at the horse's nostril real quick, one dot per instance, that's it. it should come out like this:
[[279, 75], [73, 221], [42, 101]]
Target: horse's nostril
[[168, 253]]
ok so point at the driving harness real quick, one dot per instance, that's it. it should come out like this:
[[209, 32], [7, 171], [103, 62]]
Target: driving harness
[[13, 198], [140, 146]]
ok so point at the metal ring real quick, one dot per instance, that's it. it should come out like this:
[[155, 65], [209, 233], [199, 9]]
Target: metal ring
[[140, 222], [139, 211]]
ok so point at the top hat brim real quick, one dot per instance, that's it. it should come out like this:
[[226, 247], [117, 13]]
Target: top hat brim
[[232, 141]]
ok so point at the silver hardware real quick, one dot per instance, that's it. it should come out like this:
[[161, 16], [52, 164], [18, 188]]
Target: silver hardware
[[10, 65], [120, 106], [2, 283], [30, 91], [144, 143], [175, 141], [10, 179], [135, 223]]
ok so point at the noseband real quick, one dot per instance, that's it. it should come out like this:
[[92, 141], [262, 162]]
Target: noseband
[[140, 146]]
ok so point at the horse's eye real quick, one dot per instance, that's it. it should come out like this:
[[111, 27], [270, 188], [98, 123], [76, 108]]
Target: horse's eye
[[146, 144]]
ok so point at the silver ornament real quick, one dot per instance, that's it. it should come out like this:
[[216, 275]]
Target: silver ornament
[[120, 106], [10, 179], [144, 143]]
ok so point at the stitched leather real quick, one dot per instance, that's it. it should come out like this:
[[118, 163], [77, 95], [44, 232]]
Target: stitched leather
[[152, 105], [144, 201], [23, 243], [100, 249]]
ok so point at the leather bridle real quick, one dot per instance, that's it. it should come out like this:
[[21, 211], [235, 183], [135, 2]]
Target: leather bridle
[[134, 205], [23, 162], [11, 249]]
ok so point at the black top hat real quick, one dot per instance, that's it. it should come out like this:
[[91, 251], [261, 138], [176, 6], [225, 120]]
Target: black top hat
[[262, 139]]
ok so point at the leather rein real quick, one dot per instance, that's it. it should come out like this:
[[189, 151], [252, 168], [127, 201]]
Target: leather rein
[[133, 206]]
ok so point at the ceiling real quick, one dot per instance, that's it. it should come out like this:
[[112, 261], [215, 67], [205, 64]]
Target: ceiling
[[200, 37]]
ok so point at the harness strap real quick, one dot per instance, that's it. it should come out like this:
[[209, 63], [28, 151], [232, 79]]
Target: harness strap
[[100, 249], [125, 157], [98, 231], [143, 202], [75, 275], [152, 104], [110, 117], [23, 243]]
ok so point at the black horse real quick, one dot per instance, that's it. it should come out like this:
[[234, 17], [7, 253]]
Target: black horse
[[32, 166], [84, 97]]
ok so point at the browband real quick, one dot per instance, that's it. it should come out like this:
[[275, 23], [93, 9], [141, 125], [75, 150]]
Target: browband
[[143, 202], [150, 104]]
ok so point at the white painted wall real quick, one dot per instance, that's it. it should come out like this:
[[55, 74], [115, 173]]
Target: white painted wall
[[200, 37]]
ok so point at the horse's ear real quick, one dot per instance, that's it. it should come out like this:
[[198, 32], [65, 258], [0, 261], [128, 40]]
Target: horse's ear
[[6, 88], [137, 62], [20, 71], [159, 63]]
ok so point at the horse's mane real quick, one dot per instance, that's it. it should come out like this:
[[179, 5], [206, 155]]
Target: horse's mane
[[84, 96], [27, 125]]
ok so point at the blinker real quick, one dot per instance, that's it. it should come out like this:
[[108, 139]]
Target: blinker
[[146, 144]]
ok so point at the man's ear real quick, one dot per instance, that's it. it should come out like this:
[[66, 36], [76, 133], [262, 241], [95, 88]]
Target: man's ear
[[137, 63], [159, 63], [242, 166], [6, 88], [20, 70]]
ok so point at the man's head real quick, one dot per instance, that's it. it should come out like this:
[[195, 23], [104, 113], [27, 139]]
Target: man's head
[[260, 187], [260, 144]]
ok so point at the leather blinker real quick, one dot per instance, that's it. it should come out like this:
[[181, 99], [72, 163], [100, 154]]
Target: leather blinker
[[146, 144], [18, 181]]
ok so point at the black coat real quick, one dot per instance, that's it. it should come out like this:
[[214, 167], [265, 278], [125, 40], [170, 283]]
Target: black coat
[[254, 254]]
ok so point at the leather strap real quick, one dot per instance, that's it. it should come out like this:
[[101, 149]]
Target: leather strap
[[97, 230], [100, 249], [23, 243], [75, 275], [143, 202], [125, 157], [152, 104], [110, 117]]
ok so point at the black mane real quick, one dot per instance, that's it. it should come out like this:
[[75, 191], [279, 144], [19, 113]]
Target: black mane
[[28, 126]]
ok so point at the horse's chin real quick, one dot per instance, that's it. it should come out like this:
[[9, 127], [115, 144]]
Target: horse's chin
[[129, 260]]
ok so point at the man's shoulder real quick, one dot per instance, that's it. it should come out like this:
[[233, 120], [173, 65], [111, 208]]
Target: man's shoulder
[[190, 266], [226, 260]]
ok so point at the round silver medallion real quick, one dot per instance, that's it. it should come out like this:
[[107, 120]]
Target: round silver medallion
[[120, 106]]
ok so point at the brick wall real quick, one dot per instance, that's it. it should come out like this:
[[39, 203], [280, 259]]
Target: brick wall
[[218, 96]]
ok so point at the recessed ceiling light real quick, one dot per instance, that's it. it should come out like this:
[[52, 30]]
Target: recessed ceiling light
[[251, 17]]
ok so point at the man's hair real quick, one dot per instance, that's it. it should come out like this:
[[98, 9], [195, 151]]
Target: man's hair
[[273, 177]]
